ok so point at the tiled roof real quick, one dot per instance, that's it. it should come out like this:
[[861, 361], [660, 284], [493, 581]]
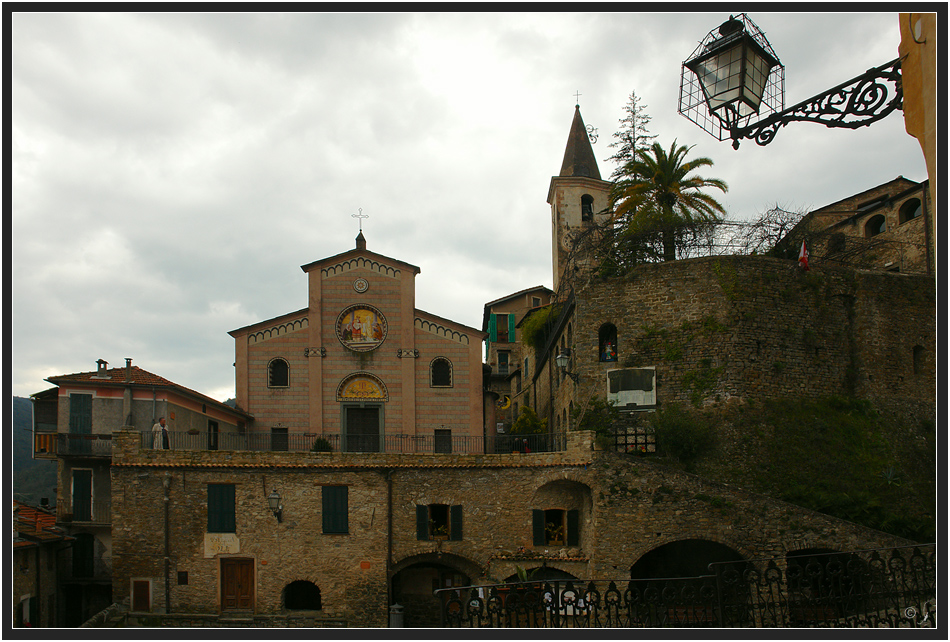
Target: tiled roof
[[36, 525]]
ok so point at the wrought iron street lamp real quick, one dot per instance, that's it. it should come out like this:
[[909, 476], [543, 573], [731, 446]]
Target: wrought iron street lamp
[[273, 501], [734, 76], [562, 360]]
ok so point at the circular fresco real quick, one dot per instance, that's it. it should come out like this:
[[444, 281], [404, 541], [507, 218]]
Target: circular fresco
[[361, 328]]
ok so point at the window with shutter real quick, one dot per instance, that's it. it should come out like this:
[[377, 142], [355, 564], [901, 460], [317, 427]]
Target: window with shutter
[[336, 509], [221, 508], [438, 521]]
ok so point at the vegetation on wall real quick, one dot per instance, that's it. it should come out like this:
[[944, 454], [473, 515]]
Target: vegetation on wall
[[836, 455], [528, 423], [537, 326]]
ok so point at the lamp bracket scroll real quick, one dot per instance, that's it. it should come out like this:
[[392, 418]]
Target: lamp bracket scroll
[[856, 103]]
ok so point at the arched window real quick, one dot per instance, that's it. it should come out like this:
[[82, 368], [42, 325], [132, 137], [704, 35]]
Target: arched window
[[278, 374], [875, 225], [918, 359], [607, 342], [440, 371], [302, 595], [587, 207], [911, 209]]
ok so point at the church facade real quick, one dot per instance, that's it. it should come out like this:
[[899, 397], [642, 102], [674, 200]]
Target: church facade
[[360, 368]]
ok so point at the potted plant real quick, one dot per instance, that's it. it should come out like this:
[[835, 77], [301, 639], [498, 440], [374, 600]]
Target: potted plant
[[321, 445]]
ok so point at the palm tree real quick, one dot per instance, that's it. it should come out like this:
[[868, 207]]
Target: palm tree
[[656, 194]]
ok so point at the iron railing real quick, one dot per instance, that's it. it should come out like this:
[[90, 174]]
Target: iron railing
[[94, 511], [879, 588], [398, 443], [52, 444]]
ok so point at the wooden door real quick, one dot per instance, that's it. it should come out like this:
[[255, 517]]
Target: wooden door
[[141, 596], [237, 584]]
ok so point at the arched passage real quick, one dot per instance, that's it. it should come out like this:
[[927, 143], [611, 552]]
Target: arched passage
[[302, 595], [416, 579], [684, 558]]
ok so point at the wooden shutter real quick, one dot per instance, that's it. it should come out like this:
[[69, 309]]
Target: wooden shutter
[[221, 508], [492, 328], [80, 414], [573, 528], [537, 527], [336, 510], [511, 328], [422, 522], [455, 529]]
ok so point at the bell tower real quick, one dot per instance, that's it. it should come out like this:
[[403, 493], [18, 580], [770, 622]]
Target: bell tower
[[577, 195]]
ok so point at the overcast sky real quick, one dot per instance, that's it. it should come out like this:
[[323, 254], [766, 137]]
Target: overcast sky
[[172, 172]]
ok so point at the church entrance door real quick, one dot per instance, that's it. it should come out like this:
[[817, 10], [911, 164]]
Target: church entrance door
[[362, 429]]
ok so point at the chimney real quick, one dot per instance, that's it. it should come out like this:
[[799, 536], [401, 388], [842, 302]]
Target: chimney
[[128, 370], [103, 366]]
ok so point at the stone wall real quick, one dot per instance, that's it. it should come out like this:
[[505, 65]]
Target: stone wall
[[627, 507]]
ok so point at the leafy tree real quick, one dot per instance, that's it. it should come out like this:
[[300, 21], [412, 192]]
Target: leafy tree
[[633, 134], [528, 423], [657, 200]]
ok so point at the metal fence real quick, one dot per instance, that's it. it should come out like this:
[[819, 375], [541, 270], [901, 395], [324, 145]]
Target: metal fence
[[78, 445], [880, 588], [313, 442]]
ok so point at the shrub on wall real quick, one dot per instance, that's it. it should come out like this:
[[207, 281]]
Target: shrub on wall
[[682, 436]]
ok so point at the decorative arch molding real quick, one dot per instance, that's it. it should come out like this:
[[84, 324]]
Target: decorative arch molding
[[362, 386], [462, 564], [430, 326], [359, 262], [278, 330]]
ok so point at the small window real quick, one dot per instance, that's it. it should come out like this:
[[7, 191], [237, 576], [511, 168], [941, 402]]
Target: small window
[[336, 509], [278, 374], [910, 210], [555, 527], [918, 360], [587, 207], [212, 435], [438, 521], [182, 578], [535, 302], [503, 363], [221, 508], [440, 372], [504, 328], [608, 342], [876, 225]]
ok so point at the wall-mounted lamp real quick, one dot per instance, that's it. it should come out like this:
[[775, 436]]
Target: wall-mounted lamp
[[273, 501], [734, 76], [562, 360]]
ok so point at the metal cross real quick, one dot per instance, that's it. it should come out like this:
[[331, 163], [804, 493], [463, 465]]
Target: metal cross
[[577, 97], [360, 216]]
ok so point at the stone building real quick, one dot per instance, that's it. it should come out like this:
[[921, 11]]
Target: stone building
[[887, 227], [37, 542], [73, 424]]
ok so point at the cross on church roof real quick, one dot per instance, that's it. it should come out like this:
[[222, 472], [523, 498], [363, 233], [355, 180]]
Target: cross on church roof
[[577, 97], [360, 216]]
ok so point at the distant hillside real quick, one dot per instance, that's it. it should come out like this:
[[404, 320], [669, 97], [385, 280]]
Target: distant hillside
[[33, 479]]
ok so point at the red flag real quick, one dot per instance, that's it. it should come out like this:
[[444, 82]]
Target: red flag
[[803, 257]]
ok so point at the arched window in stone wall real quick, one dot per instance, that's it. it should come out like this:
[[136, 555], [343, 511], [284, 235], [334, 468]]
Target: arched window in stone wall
[[440, 371], [910, 210], [919, 357], [278, 373], [875, 225], [607, 342], [301, 595], [587, 207]]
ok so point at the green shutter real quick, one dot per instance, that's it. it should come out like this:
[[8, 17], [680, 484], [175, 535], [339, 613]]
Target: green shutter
[[336, 509], [80, 414], [511, 328], [537, 527], [422, 522], [221, 508], [573, 528], [493, 328], [456, 523]]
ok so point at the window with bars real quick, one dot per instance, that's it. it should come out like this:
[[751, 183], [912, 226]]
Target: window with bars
[[440, 373], [278, 374]]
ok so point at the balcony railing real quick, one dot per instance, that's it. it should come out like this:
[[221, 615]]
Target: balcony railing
[[314, 442], [93, 511], [49, 445]]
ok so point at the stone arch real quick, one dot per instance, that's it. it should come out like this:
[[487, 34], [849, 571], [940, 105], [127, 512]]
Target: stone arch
[[301, 595], [546, 571], [415, 578], [910, 209], [877, 224], [685, 558]]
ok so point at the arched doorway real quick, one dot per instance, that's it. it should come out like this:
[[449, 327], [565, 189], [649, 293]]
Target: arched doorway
[[416, 579], [301, 595]]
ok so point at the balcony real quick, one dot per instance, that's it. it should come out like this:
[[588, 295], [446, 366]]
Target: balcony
[[90, 512], [314, 442], [50, 445]]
